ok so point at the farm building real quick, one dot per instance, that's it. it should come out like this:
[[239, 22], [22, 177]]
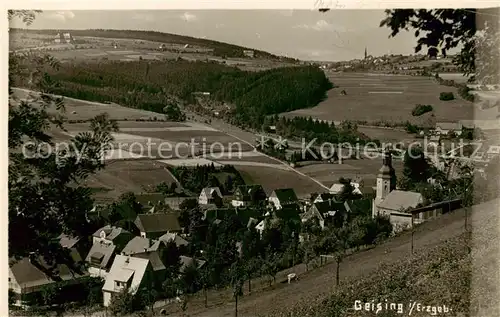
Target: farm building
[[249, 53], [155, 225], [64, 38]]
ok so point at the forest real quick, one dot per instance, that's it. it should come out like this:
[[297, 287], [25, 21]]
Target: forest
[[151, 86]]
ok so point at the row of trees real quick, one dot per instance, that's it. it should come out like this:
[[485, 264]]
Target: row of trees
[[308, 128]]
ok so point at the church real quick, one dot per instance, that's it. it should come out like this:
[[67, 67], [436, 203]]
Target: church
[[391, 202]]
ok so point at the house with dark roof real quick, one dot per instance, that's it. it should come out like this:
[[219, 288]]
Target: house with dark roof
[[282, 197], [318, 198], [174, 237], [247, 195], [30, 274], [327, 213], [210, 195], [114, 235], [155, 225], [76, 246], [141, 245]]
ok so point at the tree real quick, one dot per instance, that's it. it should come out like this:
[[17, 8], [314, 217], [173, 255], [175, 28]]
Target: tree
[[237, 273], [416, 168], [347, 192], [46, 195], [125, 303], [443, 29], [343, 239], [271, 266]]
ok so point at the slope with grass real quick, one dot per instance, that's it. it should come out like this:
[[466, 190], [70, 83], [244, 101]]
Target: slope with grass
[[437, 273]]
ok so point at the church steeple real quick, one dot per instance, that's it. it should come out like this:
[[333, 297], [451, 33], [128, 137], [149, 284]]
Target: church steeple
[[366, 53]]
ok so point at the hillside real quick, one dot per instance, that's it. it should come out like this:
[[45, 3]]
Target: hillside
[[219, 48], [467, 284]]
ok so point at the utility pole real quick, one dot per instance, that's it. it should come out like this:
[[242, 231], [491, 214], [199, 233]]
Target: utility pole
[[412, 231]]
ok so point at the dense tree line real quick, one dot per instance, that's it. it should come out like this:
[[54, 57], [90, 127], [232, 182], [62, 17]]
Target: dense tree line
[[151, 85], [322, 131]]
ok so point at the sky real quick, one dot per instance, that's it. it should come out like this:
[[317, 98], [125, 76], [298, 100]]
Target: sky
[[305, 34]]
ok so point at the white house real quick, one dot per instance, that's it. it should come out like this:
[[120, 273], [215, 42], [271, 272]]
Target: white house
[[127, 273], [356, 183], [444, 128], [208, 195]]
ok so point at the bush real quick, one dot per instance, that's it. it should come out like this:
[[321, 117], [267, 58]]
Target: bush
[[421, 109], [446, 96]]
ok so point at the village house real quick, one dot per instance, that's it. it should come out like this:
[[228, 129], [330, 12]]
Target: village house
[[174, 237], [357, 184], [445, 128], [114, 235], [107, 242], [210, 195], [246, 195], [155, 225], [127, 273], [283, 197], [140, 245], [30, 274], [327, 213]]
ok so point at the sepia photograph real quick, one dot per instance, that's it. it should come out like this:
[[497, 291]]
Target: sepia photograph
[[314, 162]]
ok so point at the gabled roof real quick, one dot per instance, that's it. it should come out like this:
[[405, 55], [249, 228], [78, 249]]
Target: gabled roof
[[67, 242], [101, 251], [140, 245], [448, 125], [323, 196], [248, 192], [111, 232], [37, 272], [154, 259], [209, 191], [329, 208], [187, 261], [285, 195], [398, 200], [159, 222], [179, 241], [126, 268]]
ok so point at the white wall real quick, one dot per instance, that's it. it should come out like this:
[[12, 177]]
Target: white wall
[[106, 298]]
